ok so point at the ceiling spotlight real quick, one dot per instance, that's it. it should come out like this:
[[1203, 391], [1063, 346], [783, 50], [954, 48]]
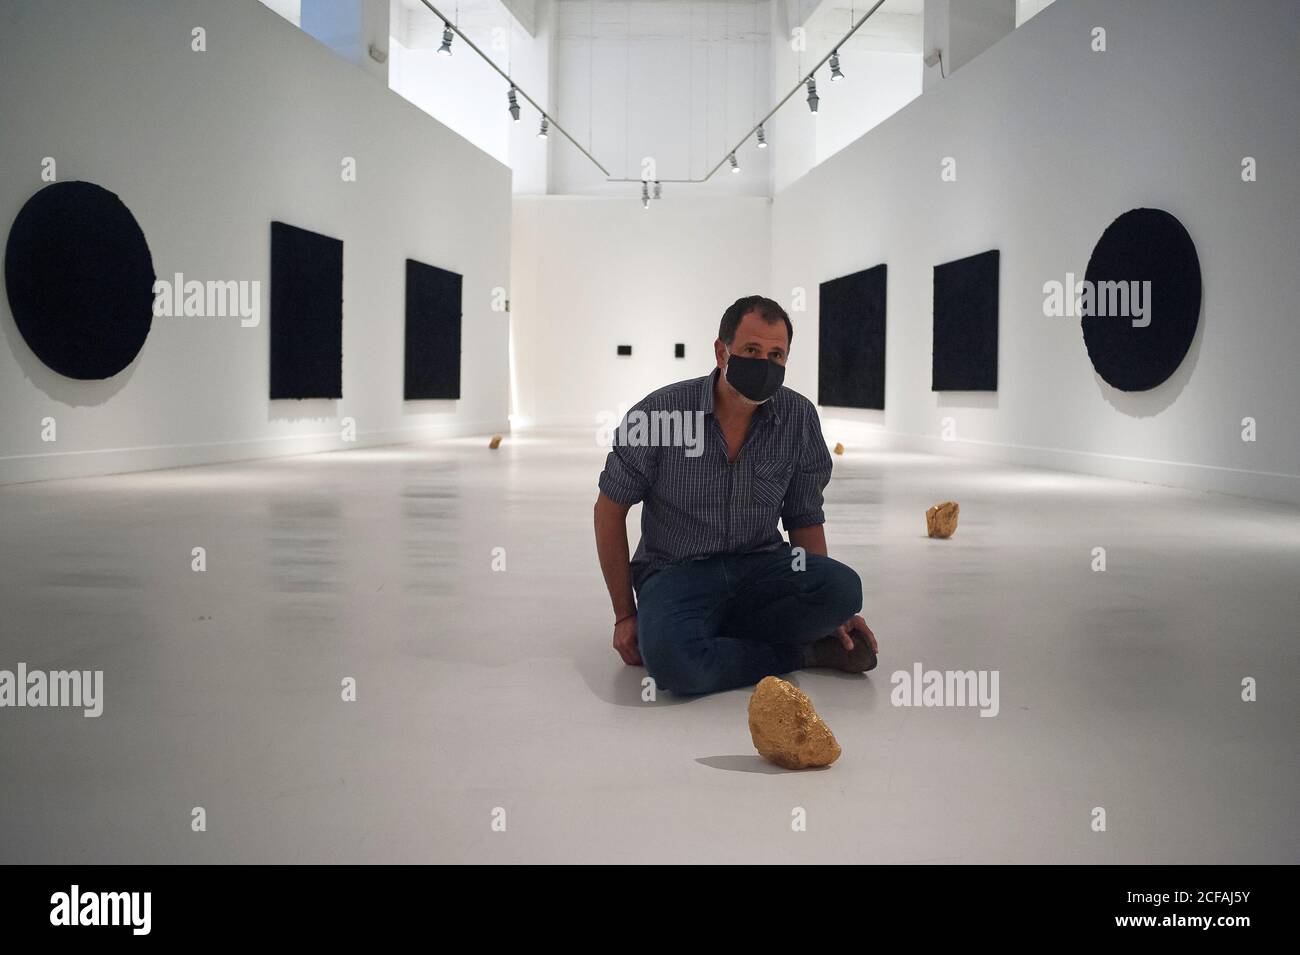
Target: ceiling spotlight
[[645, 194], [445, 49], [812, 95], [735, 166], [762, 138], [541, 132], [835, 67], [514, 105], [658, 190]]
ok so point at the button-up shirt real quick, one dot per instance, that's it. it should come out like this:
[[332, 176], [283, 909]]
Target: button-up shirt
[[670, 453]]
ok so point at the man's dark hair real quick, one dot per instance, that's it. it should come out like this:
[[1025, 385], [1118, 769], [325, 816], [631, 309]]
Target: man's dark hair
[[768, 310]]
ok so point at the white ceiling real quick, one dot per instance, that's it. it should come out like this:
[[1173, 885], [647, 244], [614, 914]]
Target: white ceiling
[[613, 18]]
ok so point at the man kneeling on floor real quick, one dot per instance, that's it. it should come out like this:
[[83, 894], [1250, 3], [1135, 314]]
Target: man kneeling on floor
[[721, 599]]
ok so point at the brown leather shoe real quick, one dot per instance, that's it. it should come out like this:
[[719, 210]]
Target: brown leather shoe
[[829, 652]]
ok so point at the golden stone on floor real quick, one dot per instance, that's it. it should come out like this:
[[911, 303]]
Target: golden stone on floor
[[786, 729], [941, 519]]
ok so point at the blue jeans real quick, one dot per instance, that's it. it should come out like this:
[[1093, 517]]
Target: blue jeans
[[732, 619]]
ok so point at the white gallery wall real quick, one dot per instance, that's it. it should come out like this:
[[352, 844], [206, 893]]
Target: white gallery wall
[[464, 93], [882, 68], [591, 273], [1052, 141], [206, 149], [674, 81]]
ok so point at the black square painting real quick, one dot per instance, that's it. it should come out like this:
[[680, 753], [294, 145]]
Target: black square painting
[[966, 324], [433, 316], [306, 314], [851, 355], [625, 350]]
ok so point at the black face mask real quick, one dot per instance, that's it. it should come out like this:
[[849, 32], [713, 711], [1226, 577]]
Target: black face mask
[[755, 378]]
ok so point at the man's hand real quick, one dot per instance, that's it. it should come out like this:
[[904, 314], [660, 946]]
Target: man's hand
[[846, 630], [625, 641], [611, 547]]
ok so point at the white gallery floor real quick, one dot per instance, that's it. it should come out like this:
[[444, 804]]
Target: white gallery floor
[[480, 690]]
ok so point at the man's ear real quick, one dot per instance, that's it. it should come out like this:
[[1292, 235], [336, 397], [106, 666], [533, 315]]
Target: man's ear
[[720, 352]]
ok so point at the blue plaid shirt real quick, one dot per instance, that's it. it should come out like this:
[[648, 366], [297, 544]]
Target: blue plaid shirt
[[696, 503]]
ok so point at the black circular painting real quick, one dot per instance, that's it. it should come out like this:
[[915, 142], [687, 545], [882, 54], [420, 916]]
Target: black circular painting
[[80, 280], [1144, 280]]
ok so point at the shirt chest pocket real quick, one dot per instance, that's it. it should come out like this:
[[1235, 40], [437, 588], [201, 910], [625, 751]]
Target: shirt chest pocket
[[771, 479]]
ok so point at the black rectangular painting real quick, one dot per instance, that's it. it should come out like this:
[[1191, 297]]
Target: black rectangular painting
[[851, 346], [432, 332], [966, 324], [306, 314]]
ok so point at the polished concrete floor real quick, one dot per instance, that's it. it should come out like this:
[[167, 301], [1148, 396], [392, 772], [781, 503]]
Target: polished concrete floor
[[482, 689]]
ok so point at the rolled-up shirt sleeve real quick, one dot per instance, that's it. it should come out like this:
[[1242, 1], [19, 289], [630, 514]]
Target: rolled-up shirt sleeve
[[803, 498], [629, 469]]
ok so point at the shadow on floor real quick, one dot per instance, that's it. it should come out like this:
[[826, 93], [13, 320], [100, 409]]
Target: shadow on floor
[[615, 682], [747, 764]]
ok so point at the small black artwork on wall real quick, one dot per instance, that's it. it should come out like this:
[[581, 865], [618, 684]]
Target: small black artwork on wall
[[80, 280], [306, 314], [851, 341], [625, 349], [1141, 299], [433, 317], [679, 350], [965, 356]]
